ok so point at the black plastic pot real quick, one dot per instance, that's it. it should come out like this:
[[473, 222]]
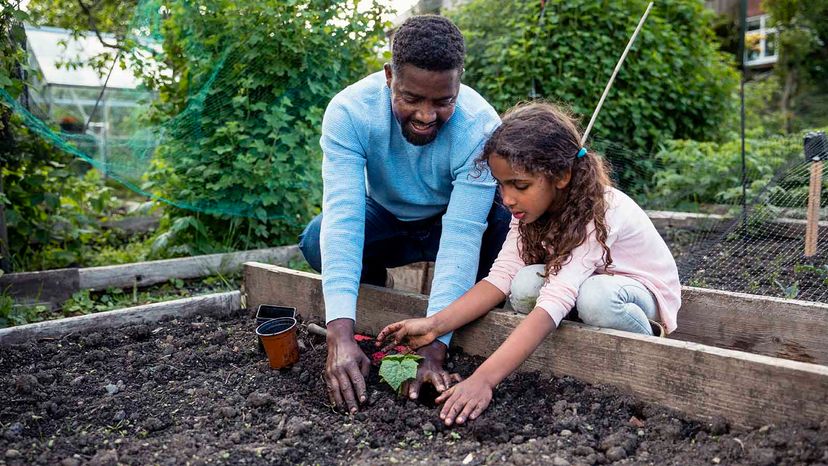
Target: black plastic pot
[[267, 312]]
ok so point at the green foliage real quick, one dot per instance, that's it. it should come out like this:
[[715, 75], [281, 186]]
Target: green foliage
[[54, 205], [675, 84], [106, 16], [788, 291], [397, 368], [12, 314], [716, 174], [12, 62], [802, 66], [242, 109], [87, 302]]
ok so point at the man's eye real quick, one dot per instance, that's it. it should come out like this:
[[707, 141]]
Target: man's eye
[[445, 103], [521, 187]]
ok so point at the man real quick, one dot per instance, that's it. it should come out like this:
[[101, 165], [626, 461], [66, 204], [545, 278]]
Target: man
[[400, 186]]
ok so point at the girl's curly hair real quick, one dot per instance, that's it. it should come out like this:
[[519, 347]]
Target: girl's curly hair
[[541, 138]]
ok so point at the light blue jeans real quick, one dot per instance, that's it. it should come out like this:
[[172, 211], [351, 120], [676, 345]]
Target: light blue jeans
[[609, 301]]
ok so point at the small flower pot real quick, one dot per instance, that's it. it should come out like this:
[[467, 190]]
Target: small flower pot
[[278, 336], [267, 312]]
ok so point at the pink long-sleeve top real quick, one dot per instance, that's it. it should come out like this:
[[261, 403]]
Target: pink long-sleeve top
[[637, 252]]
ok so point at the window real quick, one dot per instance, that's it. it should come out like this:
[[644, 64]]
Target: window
[[760, 42]]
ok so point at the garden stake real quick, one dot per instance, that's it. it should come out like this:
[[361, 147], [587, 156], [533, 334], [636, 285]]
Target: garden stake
[[614, 73], [815, 152]]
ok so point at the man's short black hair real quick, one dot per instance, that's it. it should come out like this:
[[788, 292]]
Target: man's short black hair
[[429, 42]]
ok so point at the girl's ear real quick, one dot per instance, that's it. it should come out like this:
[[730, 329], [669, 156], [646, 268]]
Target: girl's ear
[[563, 182]]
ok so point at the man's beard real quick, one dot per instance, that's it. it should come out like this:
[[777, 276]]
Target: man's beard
[[420, 139]]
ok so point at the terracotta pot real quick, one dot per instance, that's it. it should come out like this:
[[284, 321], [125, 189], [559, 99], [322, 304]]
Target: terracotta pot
[[278, 336]]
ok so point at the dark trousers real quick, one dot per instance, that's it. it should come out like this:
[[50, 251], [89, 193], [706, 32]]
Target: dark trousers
[[391, 242]]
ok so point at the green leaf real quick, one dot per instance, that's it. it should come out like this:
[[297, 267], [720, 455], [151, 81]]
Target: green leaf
[[397, 368]]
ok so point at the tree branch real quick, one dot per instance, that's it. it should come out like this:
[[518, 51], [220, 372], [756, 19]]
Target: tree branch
[[93, 25]]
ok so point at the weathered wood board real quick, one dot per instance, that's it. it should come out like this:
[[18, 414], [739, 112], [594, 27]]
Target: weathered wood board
[[150, 273], [700, 380], [48, 287], [212, 304], [53, 287], [783, 328]]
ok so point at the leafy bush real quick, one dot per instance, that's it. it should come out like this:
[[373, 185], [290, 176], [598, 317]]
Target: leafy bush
[[54, 206], [241, 111], [696, 172], [675, 83], [53, 203]]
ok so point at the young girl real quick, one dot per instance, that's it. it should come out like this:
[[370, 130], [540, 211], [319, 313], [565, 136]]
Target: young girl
[[575, 241]]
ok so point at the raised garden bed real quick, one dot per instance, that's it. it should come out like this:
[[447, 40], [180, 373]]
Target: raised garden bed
[[761, 382], [53, 287], [195, 390]]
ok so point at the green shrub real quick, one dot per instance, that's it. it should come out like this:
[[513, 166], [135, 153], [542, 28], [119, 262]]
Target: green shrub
[[693, 173], [241, 113], [675, 83]]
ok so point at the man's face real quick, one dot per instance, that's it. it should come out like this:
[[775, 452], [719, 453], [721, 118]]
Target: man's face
[[422, 100]]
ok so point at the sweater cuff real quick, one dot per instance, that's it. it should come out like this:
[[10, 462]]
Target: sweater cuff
[[556, 313], [446, 339], [340, 305]]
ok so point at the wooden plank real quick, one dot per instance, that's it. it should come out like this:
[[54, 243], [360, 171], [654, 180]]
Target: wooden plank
[[702, 381], [212, 304], [150, 273], [784, 328], [48, 287], [784, 227], [665, 219]]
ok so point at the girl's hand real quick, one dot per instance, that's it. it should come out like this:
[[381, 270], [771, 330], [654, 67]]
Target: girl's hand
[[466, 400], [414, 333]]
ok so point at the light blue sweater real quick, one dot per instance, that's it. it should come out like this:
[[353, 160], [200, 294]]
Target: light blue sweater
[[366, 153]]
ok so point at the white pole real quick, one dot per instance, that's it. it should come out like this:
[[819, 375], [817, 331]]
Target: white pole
[[614, 73]]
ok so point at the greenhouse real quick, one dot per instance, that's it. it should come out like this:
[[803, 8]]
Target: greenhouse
[[98, 112]]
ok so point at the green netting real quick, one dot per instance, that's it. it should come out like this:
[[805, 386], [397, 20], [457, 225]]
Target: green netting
[[242, 87]]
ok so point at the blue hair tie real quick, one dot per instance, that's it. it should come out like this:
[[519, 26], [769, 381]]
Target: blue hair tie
[[582, 152]]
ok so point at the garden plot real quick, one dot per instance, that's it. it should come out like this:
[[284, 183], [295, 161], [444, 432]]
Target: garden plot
[[183, 382], [701, 380], [194, 389]]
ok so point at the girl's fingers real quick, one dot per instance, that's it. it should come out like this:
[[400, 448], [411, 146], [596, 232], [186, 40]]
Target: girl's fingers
[[467, 410], [456, 407], [393, 343], [457, 377], [443, 396], [390, 329], [478, 410]]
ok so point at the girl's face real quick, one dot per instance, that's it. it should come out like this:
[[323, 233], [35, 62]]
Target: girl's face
[[527, 195]]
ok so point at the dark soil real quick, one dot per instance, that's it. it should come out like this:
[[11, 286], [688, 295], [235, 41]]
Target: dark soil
[[198, 392]]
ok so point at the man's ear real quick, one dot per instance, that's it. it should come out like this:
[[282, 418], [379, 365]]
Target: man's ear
[[563, 182], [389, 74]]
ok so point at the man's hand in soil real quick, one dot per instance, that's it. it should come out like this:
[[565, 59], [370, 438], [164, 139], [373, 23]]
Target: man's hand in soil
[[430, 371], [413, 333], [346, 367], [464, 401]]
